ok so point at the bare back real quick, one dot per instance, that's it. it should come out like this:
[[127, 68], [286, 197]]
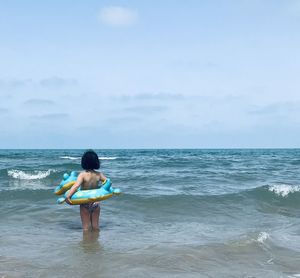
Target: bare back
[[90, 179]]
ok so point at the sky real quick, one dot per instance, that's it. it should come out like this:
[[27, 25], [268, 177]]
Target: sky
[[150, 74]]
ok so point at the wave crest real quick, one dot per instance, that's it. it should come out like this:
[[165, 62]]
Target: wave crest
[[262, 237], [284, 190], [107, 157], [32, 175], [69, 157], [100, 157]]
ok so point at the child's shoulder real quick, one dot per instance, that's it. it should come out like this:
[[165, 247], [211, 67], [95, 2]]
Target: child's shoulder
[[101, 176], [85, 173], [81, 175]]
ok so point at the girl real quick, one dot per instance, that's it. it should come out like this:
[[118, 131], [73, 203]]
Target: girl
[[89, 179]]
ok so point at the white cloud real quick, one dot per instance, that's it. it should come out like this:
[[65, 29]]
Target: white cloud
[[14, 83], [38, 102], [51, 116], [118, 16], [150, 96], [57, 82]]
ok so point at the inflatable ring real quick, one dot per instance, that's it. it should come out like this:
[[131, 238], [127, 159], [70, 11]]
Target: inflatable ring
[[67, 182], [91, 195]]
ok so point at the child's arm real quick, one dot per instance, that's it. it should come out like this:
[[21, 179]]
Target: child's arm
[[102, 177], [74, 188]]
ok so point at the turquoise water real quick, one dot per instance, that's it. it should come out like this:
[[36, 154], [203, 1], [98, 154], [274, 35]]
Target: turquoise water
[[191, 213]]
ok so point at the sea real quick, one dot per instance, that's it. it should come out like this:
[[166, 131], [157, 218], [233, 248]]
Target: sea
[[182, 213]]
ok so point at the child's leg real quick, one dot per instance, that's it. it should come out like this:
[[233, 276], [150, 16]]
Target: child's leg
[[95, 218], [85, 217]]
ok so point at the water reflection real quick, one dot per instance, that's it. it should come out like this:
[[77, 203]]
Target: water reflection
[[90, 243]]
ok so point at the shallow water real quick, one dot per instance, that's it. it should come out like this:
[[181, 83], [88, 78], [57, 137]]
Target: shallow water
[[191, 213]]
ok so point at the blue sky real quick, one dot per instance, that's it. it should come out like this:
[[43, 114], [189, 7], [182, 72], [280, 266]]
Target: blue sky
[[149, 74]]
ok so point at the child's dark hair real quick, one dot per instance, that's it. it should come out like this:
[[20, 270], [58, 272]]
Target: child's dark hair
[[90, 160]]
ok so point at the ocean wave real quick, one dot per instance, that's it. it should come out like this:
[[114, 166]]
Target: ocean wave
[[31, 175], [263, 192], [35, 193], [284, 190], [261, 195], [69, 157], [262, 237], [107, 157], [100, 157]]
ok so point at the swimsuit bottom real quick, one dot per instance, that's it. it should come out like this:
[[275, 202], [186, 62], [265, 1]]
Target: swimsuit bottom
[[91, 207]]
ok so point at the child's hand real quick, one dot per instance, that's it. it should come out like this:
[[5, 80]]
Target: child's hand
[[68, 201]]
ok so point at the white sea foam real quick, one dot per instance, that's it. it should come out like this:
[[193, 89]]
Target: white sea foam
[[262, 237], [32, 175], [108, 157], [284, 190], [101, 157], [70, 157]]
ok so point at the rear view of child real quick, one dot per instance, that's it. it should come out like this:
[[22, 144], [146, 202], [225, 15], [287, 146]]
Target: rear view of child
[[89, 179]]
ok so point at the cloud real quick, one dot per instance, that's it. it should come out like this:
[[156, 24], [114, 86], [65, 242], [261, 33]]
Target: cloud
[[275, 108], [57, 82], [264, 110], [123, 120], [3, 110], [51, 116], [50, 82], [151, 96], [38, 102], [14, 83], [118, 16], [145, 109], [177, 97]]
